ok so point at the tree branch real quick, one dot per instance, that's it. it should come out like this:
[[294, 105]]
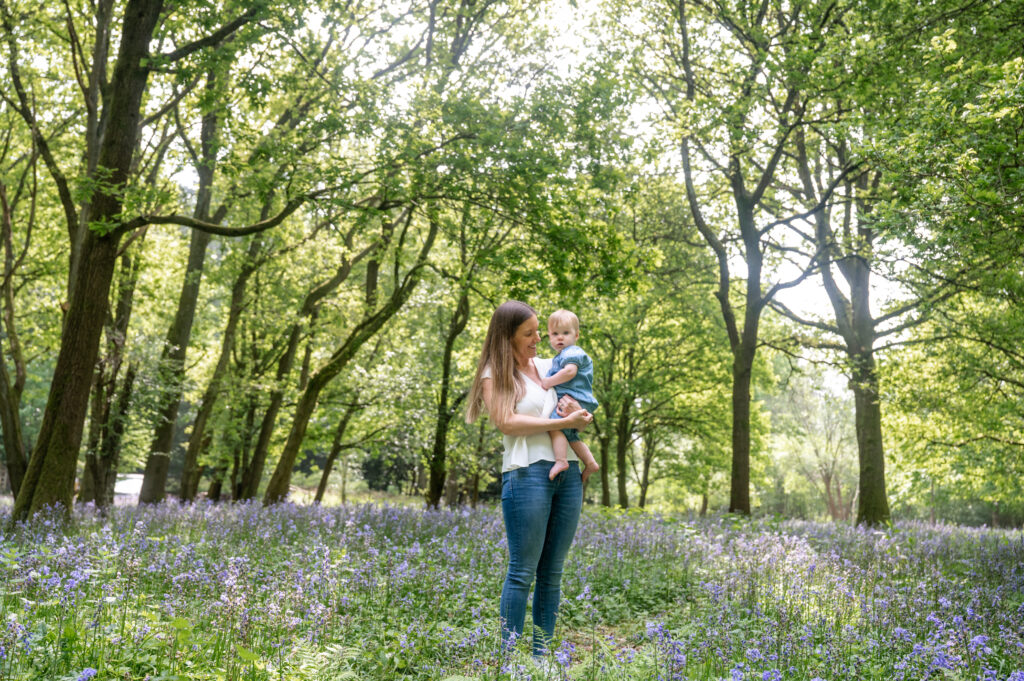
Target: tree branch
[[825, 197], [978, 438], [786, 312], [213, 228], [213, 39], [25, 111]]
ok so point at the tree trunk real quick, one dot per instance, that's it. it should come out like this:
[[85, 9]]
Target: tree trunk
[[216, 486], [245, 451], [744, 349], [622, 441], [872, 504], [105, 476], [451, 488], [103, 453], [827, 494], [739, 489], [253, 473], [50, 476], [605, 453], [10, 421], [99, 413], [336, 447], [10, 392], [438, 454], [154, 482], [172, 367], [107, 401], [344, 479], [645, 473], [858, 330], [172, 360], [844, 513]]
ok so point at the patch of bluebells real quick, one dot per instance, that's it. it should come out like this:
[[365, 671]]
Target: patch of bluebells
[[387, 591], [670, 653]]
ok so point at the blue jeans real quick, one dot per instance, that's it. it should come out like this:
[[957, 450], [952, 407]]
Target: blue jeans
[[540, 522]]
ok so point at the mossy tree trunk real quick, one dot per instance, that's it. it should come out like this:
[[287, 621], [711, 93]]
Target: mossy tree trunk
[[445, 410], [51, 471]]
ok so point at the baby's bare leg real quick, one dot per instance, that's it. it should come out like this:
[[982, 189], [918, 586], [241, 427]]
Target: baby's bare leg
[[561, 447], [589, 462]]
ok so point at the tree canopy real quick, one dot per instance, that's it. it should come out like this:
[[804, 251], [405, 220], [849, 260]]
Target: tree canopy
[[251, 249]]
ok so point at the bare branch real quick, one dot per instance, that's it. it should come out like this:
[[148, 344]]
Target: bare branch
[[825, 197], [786, 312], [937, 297]]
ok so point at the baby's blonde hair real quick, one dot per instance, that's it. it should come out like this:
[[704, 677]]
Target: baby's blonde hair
[[564, 317]]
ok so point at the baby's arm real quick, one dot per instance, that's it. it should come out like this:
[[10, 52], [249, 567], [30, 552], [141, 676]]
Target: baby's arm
[[566, 373]]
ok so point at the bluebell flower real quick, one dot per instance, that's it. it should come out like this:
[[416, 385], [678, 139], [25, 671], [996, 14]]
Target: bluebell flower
[[902, 634]]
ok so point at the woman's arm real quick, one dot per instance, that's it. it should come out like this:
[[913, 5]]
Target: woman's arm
[[514, 424]]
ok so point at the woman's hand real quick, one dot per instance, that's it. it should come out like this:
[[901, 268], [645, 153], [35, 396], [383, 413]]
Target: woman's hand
[[579, 419], [575, 416]]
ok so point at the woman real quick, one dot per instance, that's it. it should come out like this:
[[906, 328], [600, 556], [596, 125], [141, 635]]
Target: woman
[[540, 514]]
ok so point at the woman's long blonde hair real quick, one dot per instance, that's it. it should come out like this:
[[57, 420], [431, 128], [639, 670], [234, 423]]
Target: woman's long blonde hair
[[507, 385]]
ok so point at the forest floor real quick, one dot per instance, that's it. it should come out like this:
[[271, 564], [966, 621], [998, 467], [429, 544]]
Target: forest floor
[[381, 591]]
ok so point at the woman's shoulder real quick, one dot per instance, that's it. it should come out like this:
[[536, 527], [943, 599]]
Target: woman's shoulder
[[486, 373]]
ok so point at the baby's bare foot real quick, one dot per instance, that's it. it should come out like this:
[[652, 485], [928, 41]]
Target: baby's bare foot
[[558, 468], [589, 470]]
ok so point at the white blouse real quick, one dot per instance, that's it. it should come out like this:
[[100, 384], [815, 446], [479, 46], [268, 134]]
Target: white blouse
[[521, 451]]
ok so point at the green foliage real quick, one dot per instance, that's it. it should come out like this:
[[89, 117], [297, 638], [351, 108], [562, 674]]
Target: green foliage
[[550, 173]]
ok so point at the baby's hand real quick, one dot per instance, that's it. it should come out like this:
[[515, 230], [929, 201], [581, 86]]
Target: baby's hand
[[567, 405]]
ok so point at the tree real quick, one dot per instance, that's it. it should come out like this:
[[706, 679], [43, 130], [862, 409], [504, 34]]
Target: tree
[[107, 213], [447, 404], [959, 426], [653, 344], [172, 359], [854, 241], [735, 84]]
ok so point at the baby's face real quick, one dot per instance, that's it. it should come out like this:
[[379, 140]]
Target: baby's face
[[562, 337]]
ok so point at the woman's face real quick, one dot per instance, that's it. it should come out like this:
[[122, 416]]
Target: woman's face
[[525, 339]]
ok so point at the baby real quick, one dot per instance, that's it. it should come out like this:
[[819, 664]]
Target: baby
[[572, 374]]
